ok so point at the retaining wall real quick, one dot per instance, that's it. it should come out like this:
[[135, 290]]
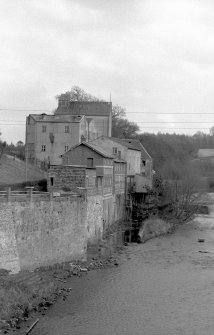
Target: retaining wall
[[34, 234]]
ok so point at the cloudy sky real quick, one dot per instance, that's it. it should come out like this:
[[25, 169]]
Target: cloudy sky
[[155, 58]]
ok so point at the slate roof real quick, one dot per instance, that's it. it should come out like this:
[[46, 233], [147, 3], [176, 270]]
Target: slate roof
[[87, 108], [124, 143], [94, 147], [56, 118], [139, 145], [131, 144]]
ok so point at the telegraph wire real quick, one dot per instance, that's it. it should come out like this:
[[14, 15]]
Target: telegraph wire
[[142, 128], [126, 112], [138, 122], [24, 110]]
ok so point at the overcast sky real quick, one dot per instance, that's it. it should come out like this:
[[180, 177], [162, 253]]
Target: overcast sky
[[152, 56]]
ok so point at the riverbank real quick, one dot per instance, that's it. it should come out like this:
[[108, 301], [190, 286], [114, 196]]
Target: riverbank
[[32, 294], [25, 295], [162, 287]]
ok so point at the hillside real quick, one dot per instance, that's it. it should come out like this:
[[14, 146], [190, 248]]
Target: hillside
[[172, 153], [13, 171]]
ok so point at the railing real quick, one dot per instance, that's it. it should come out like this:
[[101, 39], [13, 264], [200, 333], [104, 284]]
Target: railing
[[30, 195]]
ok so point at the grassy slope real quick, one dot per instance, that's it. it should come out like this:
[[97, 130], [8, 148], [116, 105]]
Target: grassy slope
[[14, 171]]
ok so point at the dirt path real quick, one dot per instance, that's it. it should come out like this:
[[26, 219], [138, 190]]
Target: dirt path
[[163, 287]]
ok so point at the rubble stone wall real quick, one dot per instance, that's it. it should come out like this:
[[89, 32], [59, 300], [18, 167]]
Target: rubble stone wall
[[61, 176], [42, 233], [94, 218]]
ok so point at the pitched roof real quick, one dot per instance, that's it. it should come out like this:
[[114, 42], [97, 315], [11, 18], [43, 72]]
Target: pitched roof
[[131, 144], [87, 108], [56, 118], [94, 147], [124, 143], [139, 145]]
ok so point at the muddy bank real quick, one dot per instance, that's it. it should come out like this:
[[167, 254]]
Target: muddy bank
[[162, 287], [59, 279], [27, 296]]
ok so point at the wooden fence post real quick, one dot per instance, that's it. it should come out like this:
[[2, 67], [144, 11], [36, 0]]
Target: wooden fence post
[[30, 192], [9, 194]]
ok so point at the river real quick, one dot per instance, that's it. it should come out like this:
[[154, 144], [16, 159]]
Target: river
[[162, 287]]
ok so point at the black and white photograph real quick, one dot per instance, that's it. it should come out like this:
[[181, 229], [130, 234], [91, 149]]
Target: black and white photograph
[[107, 167]]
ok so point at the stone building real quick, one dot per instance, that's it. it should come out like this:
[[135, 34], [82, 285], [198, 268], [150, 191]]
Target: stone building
[[49, 136], [121, 150], [100, 177], [98, 111], [139, 162], [92, 157]]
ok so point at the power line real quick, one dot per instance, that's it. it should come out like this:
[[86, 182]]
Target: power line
[[24, 110], [126, 112], [144, 122], [178, 113], [160, 128], [173, 128], [174, 122]]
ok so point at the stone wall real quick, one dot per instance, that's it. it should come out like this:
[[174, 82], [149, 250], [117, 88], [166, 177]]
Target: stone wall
[[94, 218], [35, 234], [9, 258], [103, 213], [66, 177]]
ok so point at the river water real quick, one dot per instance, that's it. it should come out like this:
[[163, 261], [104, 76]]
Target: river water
[[162, 287]]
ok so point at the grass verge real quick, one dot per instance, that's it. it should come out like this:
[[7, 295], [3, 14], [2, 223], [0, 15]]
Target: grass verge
[[19, 295]]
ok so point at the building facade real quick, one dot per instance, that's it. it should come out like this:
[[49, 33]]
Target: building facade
[[120, 150], [91, 157], [139, 162], [100, 112], [101, 178], [146, 168], [49, 136]]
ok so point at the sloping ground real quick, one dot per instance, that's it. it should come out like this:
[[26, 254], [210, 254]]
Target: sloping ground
[[13, 171]]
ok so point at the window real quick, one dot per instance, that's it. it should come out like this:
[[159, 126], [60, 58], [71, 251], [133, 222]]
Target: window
[[66, 148], [143, 163], [51, 137], [114, 150], [66, 129], [44, 129], [119, 154], [43, 147], [90, 162], [52, 181]]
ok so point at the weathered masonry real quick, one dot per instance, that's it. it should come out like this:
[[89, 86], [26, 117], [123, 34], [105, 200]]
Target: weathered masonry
[[99, 112], [38, 230], [103, 208]]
